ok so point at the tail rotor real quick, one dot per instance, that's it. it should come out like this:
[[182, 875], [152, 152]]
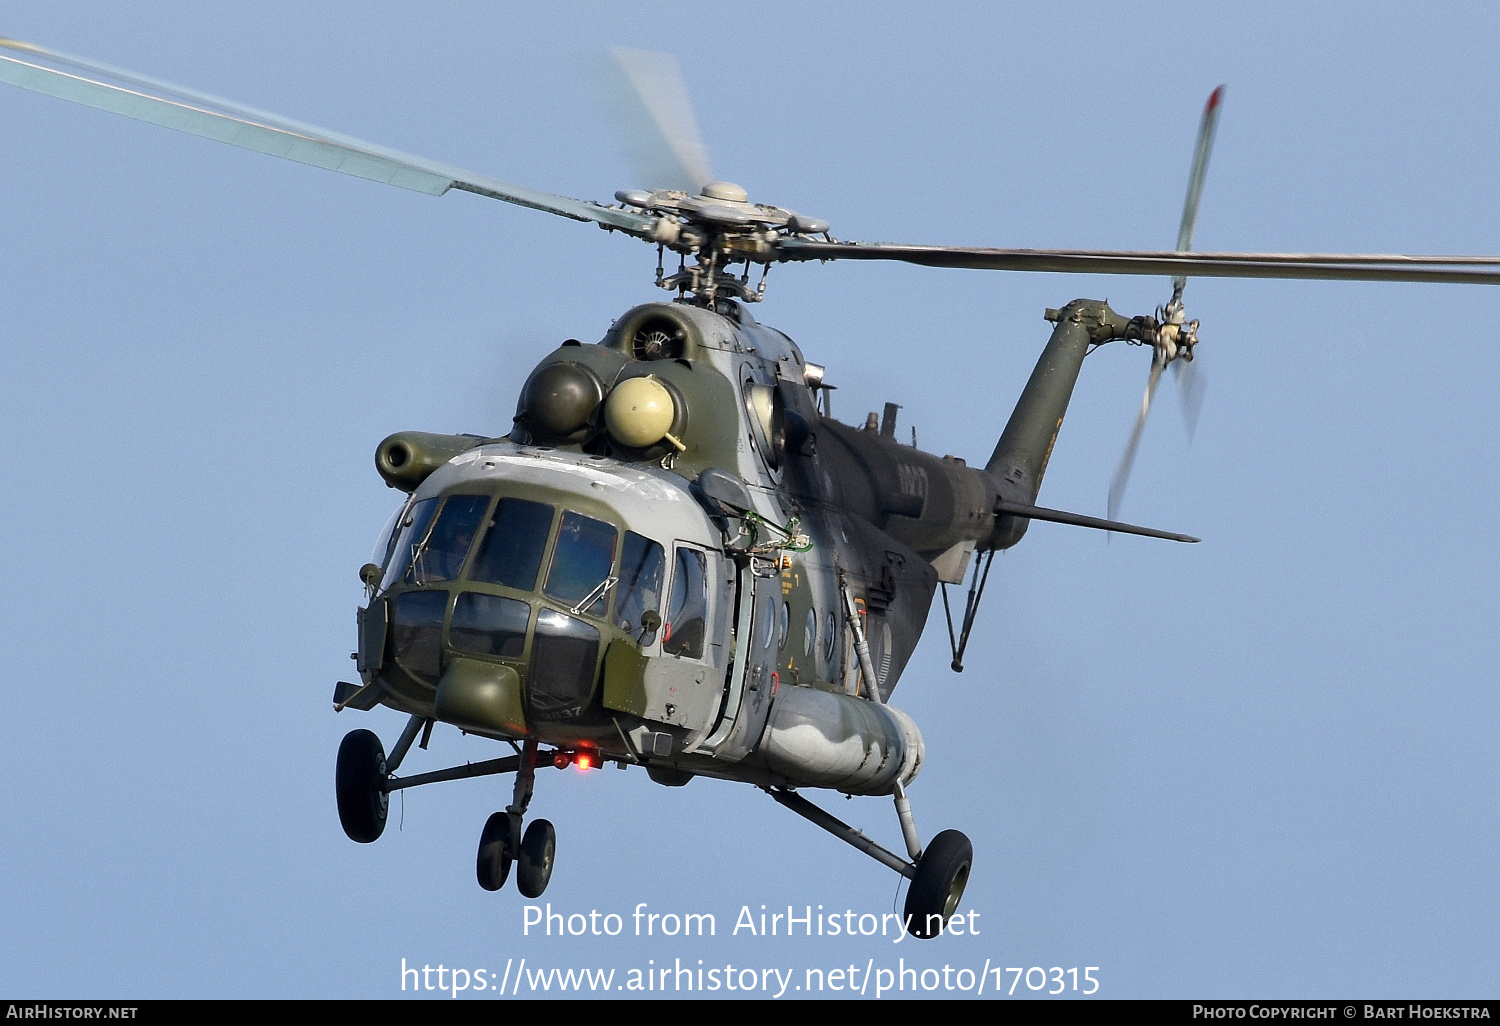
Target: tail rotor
[[1171, 335]]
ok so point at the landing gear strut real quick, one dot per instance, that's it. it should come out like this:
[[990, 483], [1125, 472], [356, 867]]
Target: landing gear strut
[[938, 874], [365, 777], [502, 843]]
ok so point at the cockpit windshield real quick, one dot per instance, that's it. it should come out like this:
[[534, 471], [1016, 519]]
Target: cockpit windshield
[[441, 556], [581, 563], [511, 553], [434, 539]]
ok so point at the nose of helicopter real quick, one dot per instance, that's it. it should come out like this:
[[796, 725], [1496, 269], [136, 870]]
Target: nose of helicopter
[[498, 590], [474, 615]]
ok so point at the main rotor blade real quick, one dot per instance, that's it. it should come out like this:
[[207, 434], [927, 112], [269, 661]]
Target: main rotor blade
[[187, 110], [1473, 270], [1122, 475], [1206, 128], [658, 122]]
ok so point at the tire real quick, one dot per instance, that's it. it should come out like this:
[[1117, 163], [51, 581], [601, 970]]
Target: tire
[[359, 784], [493, 864], [534, 861], [938, 886]]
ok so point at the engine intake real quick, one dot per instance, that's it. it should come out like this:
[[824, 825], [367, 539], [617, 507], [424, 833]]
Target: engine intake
[[407, 457]]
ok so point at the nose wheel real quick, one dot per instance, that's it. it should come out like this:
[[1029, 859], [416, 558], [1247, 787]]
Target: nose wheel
[[495, 852], [534, 864], [365, 776], [502, 843]]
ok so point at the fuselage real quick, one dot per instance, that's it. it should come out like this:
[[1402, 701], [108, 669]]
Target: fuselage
[[656, 570]]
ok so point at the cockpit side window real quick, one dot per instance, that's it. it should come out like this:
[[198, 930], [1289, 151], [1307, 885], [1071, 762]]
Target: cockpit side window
[[413, 532], [643, 565], [581, 563], [386, 546], [687, 615], [511, 552], [442, 556]]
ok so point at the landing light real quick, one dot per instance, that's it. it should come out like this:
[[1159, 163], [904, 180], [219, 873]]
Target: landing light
[[583, 760]]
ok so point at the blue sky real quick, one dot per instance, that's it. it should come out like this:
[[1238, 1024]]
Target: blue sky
[[1260, 766]]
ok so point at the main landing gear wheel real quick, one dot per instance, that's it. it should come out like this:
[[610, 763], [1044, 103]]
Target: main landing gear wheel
[[493, 864], [534, 861], [938, 886], [359, 782]]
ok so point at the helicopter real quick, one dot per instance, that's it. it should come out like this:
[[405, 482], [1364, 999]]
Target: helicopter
[[788, 530]]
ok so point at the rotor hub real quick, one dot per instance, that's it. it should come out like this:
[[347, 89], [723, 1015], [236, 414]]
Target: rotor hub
[[725, 191], [719, 227]]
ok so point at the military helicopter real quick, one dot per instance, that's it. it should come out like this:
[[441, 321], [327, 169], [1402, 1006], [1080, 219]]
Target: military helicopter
[[676, 558]]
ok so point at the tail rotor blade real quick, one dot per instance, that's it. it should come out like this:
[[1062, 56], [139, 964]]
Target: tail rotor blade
[[1122, 475], [1192, 382], [1206, 128]]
